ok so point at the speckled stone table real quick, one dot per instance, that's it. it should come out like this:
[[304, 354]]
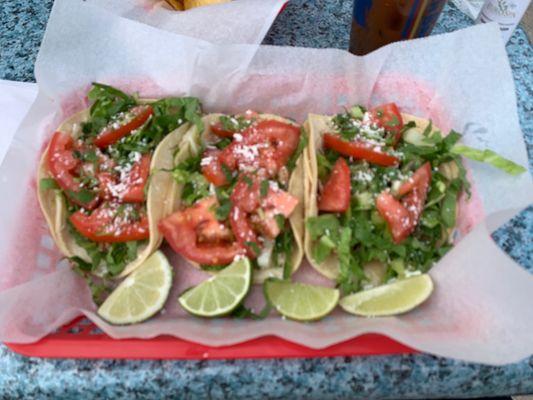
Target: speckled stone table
[[312, 23]]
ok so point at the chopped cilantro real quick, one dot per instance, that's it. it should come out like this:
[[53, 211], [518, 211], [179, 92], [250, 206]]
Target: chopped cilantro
[[222, 144], [280, 220], [248, 180], [243, 312], [234, 123], [254, 246], [223, 210], [48, 183], [263, 189], [82, 196], [227, 173], [302, 144], [281, 254], [212, 268]]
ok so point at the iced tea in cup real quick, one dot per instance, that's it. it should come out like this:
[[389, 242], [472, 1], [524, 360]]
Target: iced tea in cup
[[376, 23]]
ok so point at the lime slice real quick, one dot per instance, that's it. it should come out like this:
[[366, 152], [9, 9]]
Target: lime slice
[[220, 294], [391, 299], [142, 294], [300, 301]]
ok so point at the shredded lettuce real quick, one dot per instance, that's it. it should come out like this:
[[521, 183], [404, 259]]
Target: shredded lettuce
[[489, 157], [195, 186], [302, 144]]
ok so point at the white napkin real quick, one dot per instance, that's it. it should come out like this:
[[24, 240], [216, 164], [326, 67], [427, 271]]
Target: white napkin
[[15, 101]]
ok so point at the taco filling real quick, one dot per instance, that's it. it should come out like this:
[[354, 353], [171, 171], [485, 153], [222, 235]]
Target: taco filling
[[240, 195], [98, 167], [386, 196]]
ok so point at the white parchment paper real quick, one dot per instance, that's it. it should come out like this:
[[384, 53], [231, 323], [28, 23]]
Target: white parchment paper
[[239, 21], [481, 309]]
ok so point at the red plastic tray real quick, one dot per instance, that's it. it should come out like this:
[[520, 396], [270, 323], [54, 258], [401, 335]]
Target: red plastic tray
[[82, 339]]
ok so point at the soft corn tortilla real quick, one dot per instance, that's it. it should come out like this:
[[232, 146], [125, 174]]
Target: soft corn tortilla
[[54, 206], [192, 144], [317, 126]]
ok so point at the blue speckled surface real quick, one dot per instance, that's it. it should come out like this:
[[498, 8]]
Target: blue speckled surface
[[312, 23]]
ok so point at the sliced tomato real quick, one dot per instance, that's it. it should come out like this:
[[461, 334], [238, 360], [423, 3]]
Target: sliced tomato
[[212, 167], [219, 130], [420, 179], [107, 182], [213, 231], [388, 117], [359, 150], [131, 120], [415, 199], [63, 165], [107, 225], [137, 179], [396, 215], [61, 161], [277, 202], [181, 232], [131, 189], [266, 144], [336, 194], [282, 137], [403, 215], [246, 194], [243, 231]]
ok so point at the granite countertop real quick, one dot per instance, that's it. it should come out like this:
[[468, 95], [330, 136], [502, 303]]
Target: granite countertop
[[311, 23]]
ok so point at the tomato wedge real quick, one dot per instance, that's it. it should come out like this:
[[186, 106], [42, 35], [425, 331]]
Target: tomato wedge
[[246, 194], [266, 145], [388, 117], [219, 130], [403, 215], [396, 215], [131, 188], [130, 120], [420, 179], [61, 161], [137, 179], [243, 231], [212, 168], [336, 193], [107, 225], [180, 230], [359, 150], [282, 139], [63, 165], [277, 202]]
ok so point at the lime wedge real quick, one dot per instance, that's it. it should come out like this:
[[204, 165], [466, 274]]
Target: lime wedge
[[142, 294], [220, 294], [300, 301], [391, 299]]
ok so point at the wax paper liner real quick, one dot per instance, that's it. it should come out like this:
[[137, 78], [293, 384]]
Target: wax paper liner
[[239, 21], [481, 308]]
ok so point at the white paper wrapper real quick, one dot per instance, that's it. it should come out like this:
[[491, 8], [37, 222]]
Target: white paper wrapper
[[239, 21], [469, 7], [481, 309], [15, 99]]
